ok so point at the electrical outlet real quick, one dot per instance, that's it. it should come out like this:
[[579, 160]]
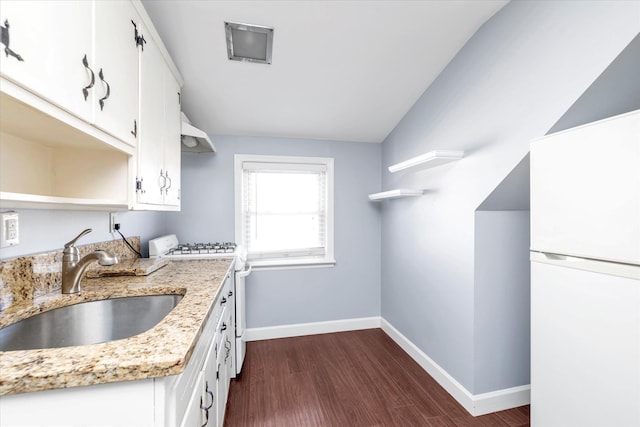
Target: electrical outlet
[[9, 233], [113, 220]]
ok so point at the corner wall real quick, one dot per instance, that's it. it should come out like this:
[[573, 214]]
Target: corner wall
[[502, 351], [512, 81]]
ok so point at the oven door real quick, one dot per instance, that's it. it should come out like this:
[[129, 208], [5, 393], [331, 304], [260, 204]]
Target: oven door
[[241, 316]]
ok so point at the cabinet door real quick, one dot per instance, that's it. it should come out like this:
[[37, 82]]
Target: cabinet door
[[172, 131], [193, 415], [150, 143], [116, 56], [51, 38], [229, 352], [221, 401], [210, 370], [232, 323]]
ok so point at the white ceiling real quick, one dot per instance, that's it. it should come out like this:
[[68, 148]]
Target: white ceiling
[[342, 70]]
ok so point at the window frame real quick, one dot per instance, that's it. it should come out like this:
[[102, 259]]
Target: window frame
[[327, 260]]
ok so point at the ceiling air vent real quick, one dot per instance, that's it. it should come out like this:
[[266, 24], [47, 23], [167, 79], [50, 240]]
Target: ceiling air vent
[[249, 43]]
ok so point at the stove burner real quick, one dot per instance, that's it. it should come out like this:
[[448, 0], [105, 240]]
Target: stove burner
[[203, 248]]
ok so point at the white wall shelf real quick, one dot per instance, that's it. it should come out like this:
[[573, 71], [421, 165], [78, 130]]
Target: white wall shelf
[[395, 194], [428, 160]]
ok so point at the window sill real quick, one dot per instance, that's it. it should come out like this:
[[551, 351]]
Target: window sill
[[289, 264]]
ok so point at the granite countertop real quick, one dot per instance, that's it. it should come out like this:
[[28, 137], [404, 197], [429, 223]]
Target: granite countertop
[[163, 350]]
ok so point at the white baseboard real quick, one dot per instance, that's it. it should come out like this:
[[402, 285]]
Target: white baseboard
[[301, 329], [500, 400], [478, 404]]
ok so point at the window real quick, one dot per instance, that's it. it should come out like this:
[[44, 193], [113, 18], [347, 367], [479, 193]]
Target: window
[[284, 209]]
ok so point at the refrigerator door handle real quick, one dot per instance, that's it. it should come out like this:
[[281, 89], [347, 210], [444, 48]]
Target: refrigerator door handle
[[597, 266], [558, 257], [555, 257]]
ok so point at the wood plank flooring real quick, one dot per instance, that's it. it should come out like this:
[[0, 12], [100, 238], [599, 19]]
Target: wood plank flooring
[[354, 379]]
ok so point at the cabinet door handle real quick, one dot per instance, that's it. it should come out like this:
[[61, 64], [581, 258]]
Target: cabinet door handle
[[206, 408], [85, 90], [4, 39], [223, 301], [223, 327], [230, 294], [134, 132], [164, 181], [166, 176], [106, 96], [227, 346]]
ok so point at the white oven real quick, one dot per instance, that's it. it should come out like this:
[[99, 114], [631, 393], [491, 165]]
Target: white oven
[[169, 247], [243, 269]]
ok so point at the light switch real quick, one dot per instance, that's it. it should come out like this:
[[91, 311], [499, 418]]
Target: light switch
[[9, 232]]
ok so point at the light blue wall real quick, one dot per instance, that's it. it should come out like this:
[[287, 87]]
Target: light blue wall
[[351, 289], [501, 300], [511, 82], [49, 230]]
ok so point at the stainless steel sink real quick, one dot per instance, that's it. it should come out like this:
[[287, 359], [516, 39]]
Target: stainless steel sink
[[88, 322]]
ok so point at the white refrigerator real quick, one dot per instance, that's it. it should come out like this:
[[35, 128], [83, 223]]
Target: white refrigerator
[[585, 275]]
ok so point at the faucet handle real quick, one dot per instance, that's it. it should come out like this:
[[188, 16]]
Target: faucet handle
[[73, 242]]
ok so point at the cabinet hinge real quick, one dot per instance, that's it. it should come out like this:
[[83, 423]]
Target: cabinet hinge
[[179, 99], [217, 375], [138, 38], [139, 186], [5, 41]]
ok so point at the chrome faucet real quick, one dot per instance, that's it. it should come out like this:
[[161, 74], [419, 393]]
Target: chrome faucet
[[73, 267]]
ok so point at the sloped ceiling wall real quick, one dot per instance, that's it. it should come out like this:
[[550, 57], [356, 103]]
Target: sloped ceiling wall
[[615, 91], [512, 193], [511, 83]]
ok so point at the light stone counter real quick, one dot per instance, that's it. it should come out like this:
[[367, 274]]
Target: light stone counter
[[163, 350]]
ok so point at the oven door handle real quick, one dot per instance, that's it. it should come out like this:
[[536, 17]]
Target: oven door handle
[[245, 272]]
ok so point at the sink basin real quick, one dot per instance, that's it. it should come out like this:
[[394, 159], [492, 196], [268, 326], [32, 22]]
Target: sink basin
[[88, 322]]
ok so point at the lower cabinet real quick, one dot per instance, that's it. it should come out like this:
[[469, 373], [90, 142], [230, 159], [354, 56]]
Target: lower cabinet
[[196, 397], [209, 371]]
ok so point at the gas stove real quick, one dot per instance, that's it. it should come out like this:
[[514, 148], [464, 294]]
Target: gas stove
[[168, 247]]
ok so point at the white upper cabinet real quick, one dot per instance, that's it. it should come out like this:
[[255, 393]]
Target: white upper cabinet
[[158, 155], [150, 174], [172, 149], [78, 82], [115, 66], [47, 43], [80, 55]]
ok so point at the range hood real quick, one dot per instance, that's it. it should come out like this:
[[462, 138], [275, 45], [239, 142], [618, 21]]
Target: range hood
[[193, 139]]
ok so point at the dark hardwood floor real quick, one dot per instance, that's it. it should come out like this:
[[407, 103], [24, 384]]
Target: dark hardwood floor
[[359, 378]]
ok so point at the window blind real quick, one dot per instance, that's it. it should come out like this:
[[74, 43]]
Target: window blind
[[284, 210]]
